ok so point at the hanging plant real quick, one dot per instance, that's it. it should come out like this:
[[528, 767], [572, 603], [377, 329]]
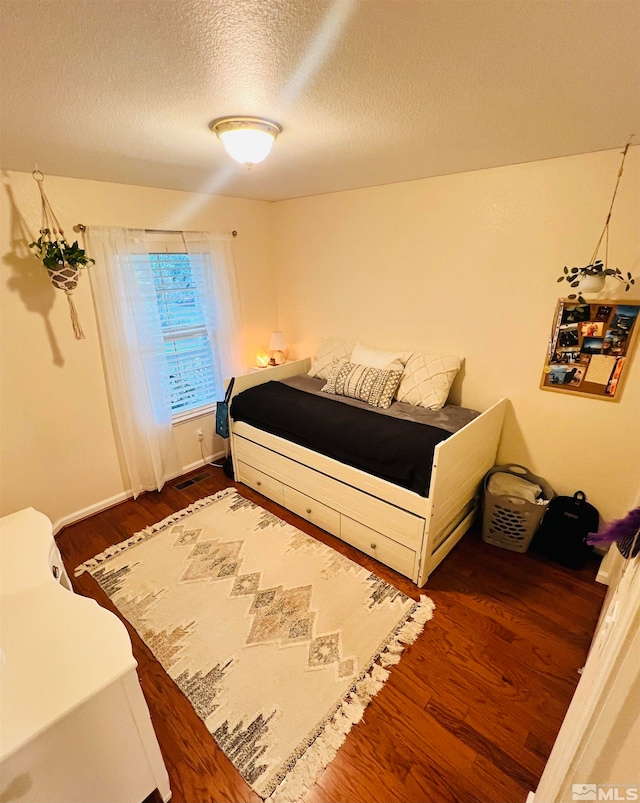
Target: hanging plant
[[53, 253], [62, 260], [591, 278]]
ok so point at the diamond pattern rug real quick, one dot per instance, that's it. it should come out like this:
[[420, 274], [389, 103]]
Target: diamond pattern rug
[[278, 641]]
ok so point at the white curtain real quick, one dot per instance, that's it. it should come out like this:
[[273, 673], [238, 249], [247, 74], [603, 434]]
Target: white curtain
[[213, 269], [133, 354], [133, 345]]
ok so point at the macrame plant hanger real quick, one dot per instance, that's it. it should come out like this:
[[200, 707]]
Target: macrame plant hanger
[[65, 277]]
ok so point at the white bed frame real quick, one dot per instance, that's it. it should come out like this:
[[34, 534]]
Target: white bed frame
[[406, 531]]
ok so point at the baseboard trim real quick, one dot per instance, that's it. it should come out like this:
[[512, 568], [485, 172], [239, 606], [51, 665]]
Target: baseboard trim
[[90, 510], [104, 504], [199, 464]]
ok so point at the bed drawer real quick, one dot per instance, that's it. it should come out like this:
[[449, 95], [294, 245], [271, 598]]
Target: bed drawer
[[404, 527], [262, 483], [384, 549], [310, 509]]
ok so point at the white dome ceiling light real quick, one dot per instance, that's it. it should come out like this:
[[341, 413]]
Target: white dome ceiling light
[[248, 140]]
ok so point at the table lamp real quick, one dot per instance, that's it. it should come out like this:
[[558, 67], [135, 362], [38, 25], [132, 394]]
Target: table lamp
[[277, 348]]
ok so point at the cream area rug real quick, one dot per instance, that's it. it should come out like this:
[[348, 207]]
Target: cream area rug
[[278, 641]]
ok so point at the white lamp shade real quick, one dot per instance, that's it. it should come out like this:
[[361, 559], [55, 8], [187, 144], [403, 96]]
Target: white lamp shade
[[277, 342], [247, 145], [248, 140]]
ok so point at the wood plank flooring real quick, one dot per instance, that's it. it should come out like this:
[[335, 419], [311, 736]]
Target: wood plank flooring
[[468, 716]]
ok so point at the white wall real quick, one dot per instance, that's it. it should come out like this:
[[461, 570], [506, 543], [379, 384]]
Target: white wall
[[59, 452], [463, 264], [467, 264]]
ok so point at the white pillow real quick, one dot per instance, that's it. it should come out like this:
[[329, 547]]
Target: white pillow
[[328, 351], [377, 358], [427, 380]]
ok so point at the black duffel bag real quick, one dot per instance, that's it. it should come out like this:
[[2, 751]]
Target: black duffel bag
[[562, 536]]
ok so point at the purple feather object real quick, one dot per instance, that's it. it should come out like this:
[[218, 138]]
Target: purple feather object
[[617, 530]]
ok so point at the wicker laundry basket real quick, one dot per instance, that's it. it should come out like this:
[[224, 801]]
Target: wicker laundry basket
[[508, 521]]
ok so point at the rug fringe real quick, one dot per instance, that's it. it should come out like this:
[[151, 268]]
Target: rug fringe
[[305, 773], [148, 532]]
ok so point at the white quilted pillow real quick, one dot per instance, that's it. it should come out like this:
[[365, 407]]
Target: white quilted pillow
[[328, 351], [427, 380]]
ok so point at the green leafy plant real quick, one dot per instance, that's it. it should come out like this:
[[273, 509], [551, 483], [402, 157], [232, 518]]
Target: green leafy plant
[[54, 253], [597, 268]]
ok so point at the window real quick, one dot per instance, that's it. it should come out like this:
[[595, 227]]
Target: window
[[193, 379], [166, 305]]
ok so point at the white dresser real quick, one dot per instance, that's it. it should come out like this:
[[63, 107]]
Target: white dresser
[[74, 725]]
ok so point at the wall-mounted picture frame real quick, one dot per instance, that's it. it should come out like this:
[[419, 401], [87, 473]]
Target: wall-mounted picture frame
[[591, 347]]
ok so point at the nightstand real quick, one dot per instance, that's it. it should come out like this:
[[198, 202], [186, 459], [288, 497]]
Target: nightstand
[[256, 368]]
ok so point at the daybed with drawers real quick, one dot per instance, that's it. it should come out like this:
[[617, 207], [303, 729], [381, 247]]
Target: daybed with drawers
[[401, 485]]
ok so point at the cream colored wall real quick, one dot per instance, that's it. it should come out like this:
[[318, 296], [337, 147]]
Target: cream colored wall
[[467, 264], [463, 264], [59, 453]]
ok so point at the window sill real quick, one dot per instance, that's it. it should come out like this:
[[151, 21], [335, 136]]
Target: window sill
[[197, 412]]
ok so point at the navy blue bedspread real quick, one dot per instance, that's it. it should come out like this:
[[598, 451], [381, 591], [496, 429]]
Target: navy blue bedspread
[[394, 449]]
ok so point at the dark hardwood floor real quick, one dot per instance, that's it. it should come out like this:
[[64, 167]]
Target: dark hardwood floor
[[469, 714]]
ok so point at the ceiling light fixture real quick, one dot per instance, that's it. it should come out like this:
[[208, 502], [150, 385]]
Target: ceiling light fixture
[[248, 140]]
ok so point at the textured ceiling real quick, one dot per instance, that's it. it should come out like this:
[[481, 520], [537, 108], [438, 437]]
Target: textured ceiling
[[367, 92]]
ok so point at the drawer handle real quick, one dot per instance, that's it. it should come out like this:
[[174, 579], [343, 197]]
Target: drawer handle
[[373, 546], [258, 482], [308, 510], [55, 571]]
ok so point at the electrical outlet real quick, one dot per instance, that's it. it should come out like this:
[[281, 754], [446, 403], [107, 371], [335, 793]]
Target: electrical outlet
[[200, 434]]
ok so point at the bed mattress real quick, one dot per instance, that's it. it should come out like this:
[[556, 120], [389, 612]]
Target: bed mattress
[[390, 444]]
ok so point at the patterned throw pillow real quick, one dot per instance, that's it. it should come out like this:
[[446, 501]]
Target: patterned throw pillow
[[372, 385], [427, 380], [328, 351]]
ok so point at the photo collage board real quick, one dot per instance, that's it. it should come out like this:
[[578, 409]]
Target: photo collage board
[[590, 347]]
